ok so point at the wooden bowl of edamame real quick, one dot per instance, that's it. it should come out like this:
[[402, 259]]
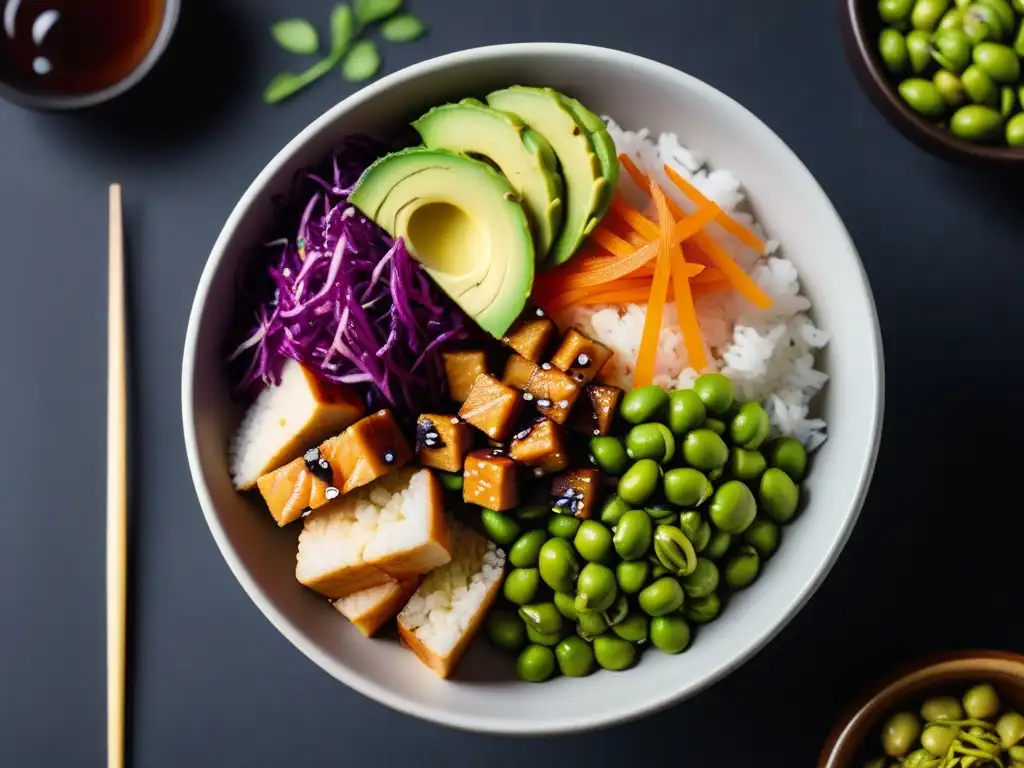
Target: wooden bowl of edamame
[[947, 73]]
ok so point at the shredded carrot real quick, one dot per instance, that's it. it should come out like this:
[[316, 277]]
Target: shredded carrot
[[709, 275], [685, 229], [648, 353], [640, 223], [729, 224], [733, 272], [612, 243]]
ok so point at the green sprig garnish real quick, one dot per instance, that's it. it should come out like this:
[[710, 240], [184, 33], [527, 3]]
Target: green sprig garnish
[[359, 58]]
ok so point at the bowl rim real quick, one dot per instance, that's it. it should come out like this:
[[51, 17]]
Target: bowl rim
[[481, 722], [875, 82], [59, 102], [865, 707]]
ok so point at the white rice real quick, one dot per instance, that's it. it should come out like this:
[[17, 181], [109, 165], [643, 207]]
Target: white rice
[[769, 354]]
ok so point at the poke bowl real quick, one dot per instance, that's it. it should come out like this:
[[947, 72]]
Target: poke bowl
[[514, 368]]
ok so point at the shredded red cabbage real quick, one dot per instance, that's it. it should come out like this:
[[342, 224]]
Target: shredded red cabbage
[[349, 303]]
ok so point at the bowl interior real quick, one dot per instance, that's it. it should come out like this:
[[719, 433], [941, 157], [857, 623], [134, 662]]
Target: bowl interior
[[484, 695], [856, 737]]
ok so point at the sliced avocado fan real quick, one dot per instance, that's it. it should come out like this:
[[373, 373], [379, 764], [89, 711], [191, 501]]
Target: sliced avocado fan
[[543, 110], [520, 153], [604, 148], [462, 221]]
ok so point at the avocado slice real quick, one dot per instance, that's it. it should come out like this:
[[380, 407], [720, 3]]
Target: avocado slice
[[603, 145], [519, 152], [462, 221], [543, 110]]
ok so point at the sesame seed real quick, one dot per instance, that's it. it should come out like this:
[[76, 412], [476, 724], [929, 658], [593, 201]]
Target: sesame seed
[[545, 366], [331, 492]]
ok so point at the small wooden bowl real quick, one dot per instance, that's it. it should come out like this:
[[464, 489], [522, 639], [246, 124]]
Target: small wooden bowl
[[950, 674], [861, 27]]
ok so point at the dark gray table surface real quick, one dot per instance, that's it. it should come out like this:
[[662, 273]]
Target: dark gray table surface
[[933, 564]]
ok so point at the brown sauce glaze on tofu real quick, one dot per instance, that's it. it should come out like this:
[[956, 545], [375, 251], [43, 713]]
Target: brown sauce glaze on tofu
[[442, 441], [532, 335], [491, 480], [461, 368], [576, 492], [580, 356], [541, 445], [518, 371], [553, 392], [595, 414], [491, 407]]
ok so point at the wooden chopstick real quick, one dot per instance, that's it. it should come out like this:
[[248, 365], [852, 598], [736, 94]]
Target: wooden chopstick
[[117, 492]]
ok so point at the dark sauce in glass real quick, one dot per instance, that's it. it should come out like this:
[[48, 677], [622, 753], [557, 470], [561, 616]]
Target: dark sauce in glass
[[74, 46]]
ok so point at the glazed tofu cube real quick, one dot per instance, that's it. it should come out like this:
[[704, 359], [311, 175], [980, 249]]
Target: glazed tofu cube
[[532, 335], [596, 411], [491, 407], [461, 368], [576, 492], [541, 445], [490, 480], [553, 392], [442, 441], [580, 356], [518, 371], [370, 448]]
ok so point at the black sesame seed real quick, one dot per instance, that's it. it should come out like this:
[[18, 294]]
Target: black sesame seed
[[317, 466], [306, 512]]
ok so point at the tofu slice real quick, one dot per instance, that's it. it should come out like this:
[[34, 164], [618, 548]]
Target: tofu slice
[[445, 612], [285, 420], [371, 608], [392, 529]]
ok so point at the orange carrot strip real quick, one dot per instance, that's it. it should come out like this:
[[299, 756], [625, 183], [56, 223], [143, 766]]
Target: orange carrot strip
[[612, 243], [709, 275], [733, 272], [688, 323], [729, 224], [648, 353], [634, 218], [619, 297]]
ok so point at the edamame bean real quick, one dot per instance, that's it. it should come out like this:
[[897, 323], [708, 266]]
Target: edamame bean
[[531, 512], [687, 487], [779, 495], [937, 739], [981, 702], [535, 664], [632, 628], [981, 23], [565, 602], [651, 441], [747, 466], [1016, 753], [923, 97], [1018, 43], [632, 575], [563, 526], [613, 510], [980, 89], [662, 513], [919, 758], [899, 733], [614, 653], [657, 569], [590, 625], [718, 545], [892, 47], [674, 550], [526, 550], [789, 455], [661, 597], [742, 568], [762, 535], [715, 391], [521, 585], [998, 61], [575, 657], [1005, 11], [953, 19], [696, 529], [750, 426], [941, 708], [542, 638], [609, 455], [919, 51], [670, 634], [500, 528], [715, 425], [1015, 131], [633, 535], [1010, 727], [639, 482], [618, 610], [701, 610], [557, 565], [1009, 101], [926, 14], [506, 631], [686, 410], [733, 507], [543, 617], [593, 541], [951, 48], [451, 481], [702, 581], [895, 11], [596, 588], [644, 404], [705, 450]]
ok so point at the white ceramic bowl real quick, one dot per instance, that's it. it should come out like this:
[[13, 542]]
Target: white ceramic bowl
[[484, 695]]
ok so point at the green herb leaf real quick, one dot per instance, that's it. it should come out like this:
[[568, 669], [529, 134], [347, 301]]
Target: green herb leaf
[[296, 36], [362, 61], [402, 28], [283, 86], [369, 11], [342, 29]]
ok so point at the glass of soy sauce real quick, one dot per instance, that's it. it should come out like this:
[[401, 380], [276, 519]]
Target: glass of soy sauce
[[67, 54]]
